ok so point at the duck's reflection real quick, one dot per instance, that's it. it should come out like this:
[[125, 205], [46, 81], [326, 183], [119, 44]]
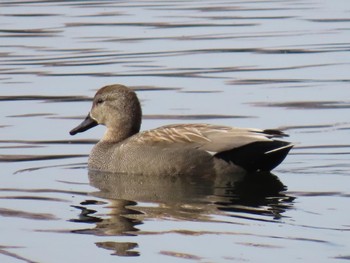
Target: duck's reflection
[[134, 198]]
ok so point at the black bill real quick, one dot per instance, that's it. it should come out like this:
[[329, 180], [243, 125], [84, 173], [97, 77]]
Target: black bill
[[88, 123]]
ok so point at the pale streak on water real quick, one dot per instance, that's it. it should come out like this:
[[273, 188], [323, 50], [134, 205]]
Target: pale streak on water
[[267, 64]]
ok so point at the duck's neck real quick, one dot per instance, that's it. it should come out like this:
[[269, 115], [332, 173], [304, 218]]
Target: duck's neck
[[117, 135]]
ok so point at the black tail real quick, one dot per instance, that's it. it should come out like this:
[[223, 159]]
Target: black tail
[[258, 156]]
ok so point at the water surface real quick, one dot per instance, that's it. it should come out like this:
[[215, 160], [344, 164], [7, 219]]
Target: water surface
[[265, 64]]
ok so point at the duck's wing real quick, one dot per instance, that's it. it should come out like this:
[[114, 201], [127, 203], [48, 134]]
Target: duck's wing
[[211, 138], [253, 149]]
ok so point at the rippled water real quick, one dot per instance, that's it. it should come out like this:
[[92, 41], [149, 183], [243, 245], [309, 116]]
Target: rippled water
[[265, 64]]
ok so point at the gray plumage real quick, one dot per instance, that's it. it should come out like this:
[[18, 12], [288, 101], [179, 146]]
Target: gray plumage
[[189, 149]]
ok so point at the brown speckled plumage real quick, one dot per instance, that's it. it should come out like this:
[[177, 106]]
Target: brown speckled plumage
[[201, 149]]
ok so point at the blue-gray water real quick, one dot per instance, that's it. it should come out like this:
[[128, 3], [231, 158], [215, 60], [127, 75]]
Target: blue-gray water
[[264, 64]]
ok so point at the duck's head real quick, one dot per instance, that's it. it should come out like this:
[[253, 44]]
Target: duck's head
[[118, 108]]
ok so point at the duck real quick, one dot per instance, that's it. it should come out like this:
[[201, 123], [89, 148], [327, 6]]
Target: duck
[[196, 149]]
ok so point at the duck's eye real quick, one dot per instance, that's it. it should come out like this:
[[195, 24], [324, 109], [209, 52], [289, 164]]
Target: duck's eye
[[99, 101]]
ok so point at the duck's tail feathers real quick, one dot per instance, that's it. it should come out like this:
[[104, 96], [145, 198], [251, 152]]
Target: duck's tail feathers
[[258, 156]]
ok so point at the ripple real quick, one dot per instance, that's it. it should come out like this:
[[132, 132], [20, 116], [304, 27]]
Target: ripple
[[27, 215], [45, 98], [24, 158], [6, 33], [31, 15], [30, 115], [180, 255], [35, 198], [159, 24], [305, 105], [3, 251], [42, 191], [75, 141], [330, 20]]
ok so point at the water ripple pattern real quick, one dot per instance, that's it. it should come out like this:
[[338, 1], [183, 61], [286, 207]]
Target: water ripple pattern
[[265, 64]]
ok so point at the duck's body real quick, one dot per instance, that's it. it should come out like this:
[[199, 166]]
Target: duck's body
[[201, 149]]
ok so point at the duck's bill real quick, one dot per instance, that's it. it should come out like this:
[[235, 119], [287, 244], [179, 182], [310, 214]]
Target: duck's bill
[[88, 123]]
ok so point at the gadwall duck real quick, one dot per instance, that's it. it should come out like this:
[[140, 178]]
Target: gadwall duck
[[198, 149]]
